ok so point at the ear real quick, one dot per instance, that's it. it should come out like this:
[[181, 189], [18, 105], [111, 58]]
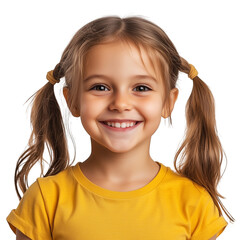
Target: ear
[[74, 111], [172, 99]]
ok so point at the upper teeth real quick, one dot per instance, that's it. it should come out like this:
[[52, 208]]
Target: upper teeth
[[121, 125]]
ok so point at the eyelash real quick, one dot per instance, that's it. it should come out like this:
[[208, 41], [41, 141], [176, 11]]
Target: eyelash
[[149, 89]]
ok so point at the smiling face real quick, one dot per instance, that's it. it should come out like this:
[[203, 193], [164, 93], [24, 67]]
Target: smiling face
[[120, 93]]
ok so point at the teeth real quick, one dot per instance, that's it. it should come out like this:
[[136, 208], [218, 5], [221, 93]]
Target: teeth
[[121, 125]]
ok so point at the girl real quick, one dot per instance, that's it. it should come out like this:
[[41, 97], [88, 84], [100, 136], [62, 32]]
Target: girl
[[120, 77]]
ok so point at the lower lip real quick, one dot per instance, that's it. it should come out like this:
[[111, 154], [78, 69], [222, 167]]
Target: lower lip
[[120, 129]]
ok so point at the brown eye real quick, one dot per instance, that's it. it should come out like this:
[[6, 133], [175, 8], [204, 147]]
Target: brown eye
[[99, 88], [143, 88]]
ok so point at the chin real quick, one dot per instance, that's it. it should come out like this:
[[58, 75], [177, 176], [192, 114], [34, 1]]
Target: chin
[[118, 148]]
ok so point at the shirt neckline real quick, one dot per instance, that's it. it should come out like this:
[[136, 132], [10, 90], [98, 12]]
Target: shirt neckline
[[92, 187]]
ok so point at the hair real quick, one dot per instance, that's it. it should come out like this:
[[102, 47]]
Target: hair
[[201, 149]]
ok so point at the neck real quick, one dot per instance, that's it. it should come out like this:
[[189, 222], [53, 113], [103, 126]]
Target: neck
[[118, 167]]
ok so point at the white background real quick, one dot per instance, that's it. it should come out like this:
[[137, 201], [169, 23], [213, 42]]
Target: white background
[[34, 35]]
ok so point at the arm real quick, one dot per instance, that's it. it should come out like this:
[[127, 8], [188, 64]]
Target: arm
[[21, 236], [213, 238]]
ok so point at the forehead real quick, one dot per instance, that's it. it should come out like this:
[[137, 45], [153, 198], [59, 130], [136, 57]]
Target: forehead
[[116, 55]]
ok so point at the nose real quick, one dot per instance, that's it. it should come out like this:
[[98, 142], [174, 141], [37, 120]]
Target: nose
[[120, 102]]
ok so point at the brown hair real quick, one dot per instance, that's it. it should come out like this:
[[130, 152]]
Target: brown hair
[[202, 151]]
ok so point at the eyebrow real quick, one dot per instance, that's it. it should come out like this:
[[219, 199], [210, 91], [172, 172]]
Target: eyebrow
[[108, 78]]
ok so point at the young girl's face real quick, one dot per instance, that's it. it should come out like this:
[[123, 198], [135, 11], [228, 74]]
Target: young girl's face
[[120, 94]]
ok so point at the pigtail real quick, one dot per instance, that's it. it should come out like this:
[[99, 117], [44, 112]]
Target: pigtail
[[202, 151], [47, 128]]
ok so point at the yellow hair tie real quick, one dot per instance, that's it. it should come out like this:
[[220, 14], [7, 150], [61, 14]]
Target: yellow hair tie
[[193, 72], [51, 78]]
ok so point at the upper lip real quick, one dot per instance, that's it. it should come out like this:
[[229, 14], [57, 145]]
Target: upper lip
[[120, 120]]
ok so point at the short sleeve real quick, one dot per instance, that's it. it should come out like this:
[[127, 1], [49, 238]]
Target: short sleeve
[[206, 220], [30, 217]]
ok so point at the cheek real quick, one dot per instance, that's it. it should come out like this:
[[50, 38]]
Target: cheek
[[152, 114], [151, 109], [88, 114], [90, 108]]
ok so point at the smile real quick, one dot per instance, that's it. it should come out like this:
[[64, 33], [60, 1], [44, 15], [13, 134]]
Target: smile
[[123, 126]]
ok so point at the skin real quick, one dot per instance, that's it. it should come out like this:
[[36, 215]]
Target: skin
[[21, 236], [120, 159], [213, 238]]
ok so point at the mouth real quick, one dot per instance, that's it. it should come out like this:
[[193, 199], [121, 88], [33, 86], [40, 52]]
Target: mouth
[[117, 126]]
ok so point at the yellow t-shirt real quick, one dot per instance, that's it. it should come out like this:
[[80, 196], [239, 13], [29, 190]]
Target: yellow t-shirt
[[70, 206]]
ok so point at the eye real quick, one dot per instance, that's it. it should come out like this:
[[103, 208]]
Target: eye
[[142, 87], [101, 87]]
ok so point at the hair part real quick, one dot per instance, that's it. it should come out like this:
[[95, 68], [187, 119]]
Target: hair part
[[201, 149]]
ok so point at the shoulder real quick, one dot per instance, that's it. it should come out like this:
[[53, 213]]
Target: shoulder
[[185, 193], [195, 204], [54, 184], [183, 185], [60, 177], [57, 191]]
